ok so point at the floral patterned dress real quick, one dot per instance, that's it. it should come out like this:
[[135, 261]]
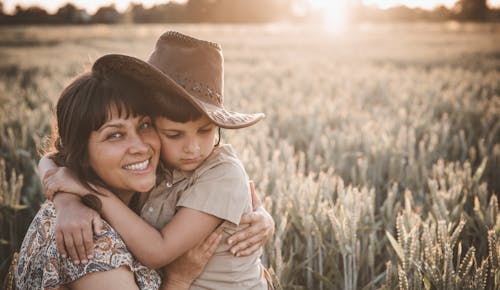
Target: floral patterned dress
[[40, 266]]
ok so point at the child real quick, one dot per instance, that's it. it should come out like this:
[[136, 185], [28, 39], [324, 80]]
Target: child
[[204, 183]]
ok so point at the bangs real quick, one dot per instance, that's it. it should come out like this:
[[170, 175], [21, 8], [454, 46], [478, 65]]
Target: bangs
[[177, 109], [84, 106], [129, 98]]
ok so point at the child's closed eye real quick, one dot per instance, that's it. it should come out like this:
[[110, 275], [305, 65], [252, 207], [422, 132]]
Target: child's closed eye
[[172, 135]]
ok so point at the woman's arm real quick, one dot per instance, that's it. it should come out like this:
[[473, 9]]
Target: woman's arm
[[185, 269], [249, 240]]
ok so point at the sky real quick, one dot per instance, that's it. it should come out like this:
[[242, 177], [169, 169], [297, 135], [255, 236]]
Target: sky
[[92, 5]]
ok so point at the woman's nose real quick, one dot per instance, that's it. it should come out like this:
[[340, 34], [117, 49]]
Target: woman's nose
[[138, 145]]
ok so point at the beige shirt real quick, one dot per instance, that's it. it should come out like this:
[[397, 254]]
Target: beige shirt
[[219, 186]]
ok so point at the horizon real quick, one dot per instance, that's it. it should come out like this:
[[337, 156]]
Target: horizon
[[121, 5]]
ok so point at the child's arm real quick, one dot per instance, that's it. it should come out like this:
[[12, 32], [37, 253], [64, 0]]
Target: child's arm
[[75, 222], [118, 215], [58, 179], [152, 248], [189, 226], [186, 229]]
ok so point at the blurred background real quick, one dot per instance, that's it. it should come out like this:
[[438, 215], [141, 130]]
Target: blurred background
[[379, 158], [336, 12]]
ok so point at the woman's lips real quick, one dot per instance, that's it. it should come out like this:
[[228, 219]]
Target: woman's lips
[[138, 166]]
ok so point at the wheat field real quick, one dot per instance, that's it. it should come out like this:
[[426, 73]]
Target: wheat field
[[379, 157]]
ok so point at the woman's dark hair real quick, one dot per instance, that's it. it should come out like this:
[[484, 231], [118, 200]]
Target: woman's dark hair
[[84, 106]]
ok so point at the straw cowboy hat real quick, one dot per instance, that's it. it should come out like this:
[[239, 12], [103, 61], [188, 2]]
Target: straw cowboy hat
[[181, 65]]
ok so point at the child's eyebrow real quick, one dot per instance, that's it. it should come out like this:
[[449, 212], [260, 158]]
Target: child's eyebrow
[[169, 129], [207, 124]]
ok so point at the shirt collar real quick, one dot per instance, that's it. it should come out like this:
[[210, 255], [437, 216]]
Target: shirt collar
[[172, 175]]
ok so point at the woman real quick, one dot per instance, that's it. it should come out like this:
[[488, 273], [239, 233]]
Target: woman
[[102, 130]]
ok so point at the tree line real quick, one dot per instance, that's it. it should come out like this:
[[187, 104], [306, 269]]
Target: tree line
[[242, 11]]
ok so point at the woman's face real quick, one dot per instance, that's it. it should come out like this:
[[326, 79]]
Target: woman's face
[[124, 153]]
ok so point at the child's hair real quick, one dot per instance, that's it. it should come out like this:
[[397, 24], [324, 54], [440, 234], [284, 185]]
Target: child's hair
[[177, 109], [83, 107]]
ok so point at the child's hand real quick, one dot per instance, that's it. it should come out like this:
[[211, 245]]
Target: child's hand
[[75, 225], [61, 179], [248, 240]]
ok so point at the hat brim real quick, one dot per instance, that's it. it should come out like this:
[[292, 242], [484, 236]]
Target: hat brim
[[150, 76]]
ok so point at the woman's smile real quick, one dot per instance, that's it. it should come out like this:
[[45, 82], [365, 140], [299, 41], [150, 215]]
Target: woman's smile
[[125, 153], [139, 167]]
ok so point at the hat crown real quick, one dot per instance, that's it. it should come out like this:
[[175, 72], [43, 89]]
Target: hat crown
[[196, 65]]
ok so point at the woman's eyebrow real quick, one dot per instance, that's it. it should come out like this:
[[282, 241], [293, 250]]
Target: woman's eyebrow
[[111, 125]]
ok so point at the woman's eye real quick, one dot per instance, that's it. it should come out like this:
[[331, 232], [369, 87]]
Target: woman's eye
[[145, 125], [115, 135]]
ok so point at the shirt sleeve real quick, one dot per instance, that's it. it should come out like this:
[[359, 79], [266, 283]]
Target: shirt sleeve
[[222, 191]]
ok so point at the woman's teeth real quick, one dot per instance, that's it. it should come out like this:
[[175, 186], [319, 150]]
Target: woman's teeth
[[138, 166]]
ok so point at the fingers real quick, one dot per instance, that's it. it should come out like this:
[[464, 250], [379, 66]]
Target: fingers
[[60, 244], [48, 173], [256, 202], [80, 247], [248, 251], [251, 218], [250, 240], [97, 224], [70, 248], [88, 243], [77, 243], [213, 242], [244, 234], [48, 186]]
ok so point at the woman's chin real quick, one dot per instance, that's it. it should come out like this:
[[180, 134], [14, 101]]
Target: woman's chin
[[145, 187]]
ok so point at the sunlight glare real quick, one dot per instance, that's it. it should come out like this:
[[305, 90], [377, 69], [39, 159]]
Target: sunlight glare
[[425, 4], [335, 17]]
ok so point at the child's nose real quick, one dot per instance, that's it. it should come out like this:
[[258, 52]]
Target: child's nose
[[192, 147]]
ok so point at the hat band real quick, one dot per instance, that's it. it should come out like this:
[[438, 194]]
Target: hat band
[[199, 90]]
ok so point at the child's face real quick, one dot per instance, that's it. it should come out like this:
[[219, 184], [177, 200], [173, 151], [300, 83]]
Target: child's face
[[185, 146]]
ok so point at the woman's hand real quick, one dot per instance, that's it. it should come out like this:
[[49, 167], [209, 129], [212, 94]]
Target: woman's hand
[[61, 179], [248, 240], [182, 272], [75, 225]]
